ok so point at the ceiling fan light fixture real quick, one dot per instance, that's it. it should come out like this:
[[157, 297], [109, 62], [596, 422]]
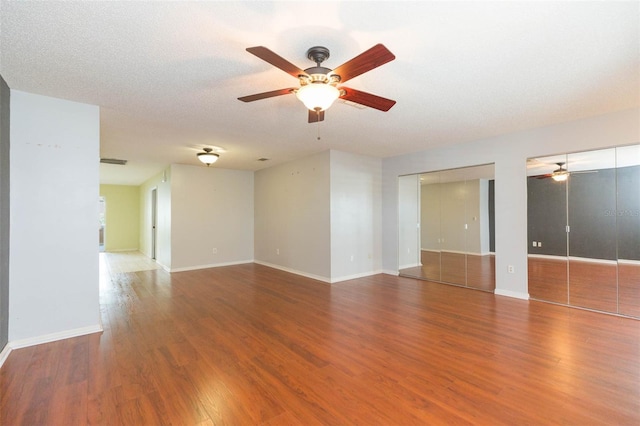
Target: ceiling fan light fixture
[[318, 96], [560, 176], [208, 157]]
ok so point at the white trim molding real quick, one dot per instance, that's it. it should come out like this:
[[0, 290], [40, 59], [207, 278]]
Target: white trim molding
[[4, 354], [547, 256], [629, 262], [513, 294], [354, 276], [590, 260], [67, 334], [211, 265], [294, 271]]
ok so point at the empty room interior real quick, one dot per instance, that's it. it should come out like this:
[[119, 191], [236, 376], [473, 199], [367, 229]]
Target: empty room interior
[[334, 213]]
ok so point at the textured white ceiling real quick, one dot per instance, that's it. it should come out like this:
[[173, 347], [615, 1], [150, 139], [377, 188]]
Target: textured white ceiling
[[167, 74]]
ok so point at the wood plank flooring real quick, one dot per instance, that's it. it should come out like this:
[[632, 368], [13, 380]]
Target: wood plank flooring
[[473, 271], [249, 345], [601, 286]]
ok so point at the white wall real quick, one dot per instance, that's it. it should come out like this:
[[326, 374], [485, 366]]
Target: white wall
[[356, 196], [453, 202], [163, 218], [446, 207], [54, 218], [430, 217], [509, 153], [292, 216], [210, 208], [408, 220]]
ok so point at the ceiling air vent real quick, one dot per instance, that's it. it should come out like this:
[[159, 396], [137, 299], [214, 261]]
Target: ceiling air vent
[[113, 161]]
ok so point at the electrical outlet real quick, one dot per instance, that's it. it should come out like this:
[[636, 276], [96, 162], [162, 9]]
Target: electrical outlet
[[215, 250], [511, 269], [539, 243], [352, 258], [278, 251], [535, 244]]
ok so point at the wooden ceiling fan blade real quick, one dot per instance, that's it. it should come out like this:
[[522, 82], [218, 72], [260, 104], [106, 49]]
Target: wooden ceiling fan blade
[[366, 61], [367, 99], [265, 95], [276, 60], [315, 116]]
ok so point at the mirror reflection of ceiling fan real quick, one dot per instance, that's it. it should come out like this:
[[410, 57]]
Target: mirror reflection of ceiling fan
[[319, 85], [561, 174]]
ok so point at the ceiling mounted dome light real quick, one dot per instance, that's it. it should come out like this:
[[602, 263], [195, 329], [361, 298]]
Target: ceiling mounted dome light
[[318, 96], [208, 157]]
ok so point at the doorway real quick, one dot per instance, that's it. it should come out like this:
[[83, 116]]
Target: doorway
[[101, 223]]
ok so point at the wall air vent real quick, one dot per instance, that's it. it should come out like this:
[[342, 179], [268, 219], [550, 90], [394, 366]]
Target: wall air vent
[[263, 159], [113, 161]]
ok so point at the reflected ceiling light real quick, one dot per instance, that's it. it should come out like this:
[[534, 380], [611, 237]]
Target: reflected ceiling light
[[318, 96], [560, 176], [208, 157]]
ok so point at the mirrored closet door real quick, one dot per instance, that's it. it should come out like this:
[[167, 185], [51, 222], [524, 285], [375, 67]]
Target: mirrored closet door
[[446, 226], [584, 229]]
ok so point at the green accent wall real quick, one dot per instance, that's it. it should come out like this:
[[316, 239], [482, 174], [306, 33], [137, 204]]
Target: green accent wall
[[122, 217]]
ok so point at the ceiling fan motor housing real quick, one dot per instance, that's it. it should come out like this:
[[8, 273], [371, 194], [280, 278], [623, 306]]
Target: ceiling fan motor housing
[[318, 74]]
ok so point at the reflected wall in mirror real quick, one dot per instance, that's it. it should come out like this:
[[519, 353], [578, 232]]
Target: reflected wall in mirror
[[455, 224], [584, 229]]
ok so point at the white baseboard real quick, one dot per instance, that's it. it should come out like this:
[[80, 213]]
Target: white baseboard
[[547, 256], [514, 294], [390, 272], [317, 277], [211, 265], [294, 271], [412, 265], [122, 250], [453, 251], [354, 276], [590, 260], [67, 334], [4, 354]]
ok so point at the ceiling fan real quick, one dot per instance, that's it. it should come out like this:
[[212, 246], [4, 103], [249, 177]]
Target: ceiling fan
[[319, 85], [561, 174]]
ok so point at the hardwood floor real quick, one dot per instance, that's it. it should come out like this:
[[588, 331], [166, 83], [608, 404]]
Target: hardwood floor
[[251, 345], [602, 286], [473, 271], [629, 289], [549, 279]]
